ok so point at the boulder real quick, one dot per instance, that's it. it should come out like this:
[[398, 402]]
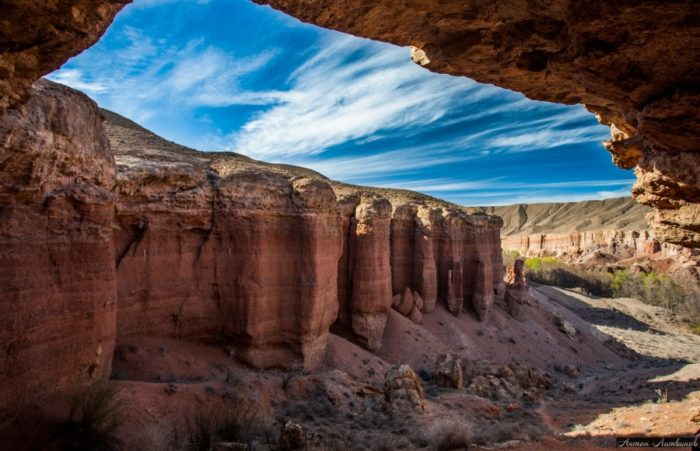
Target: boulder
[[565, 326], [292, 437], [449, 372], [403, 389]]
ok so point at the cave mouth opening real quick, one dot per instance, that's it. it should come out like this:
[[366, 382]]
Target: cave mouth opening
[[355, 110], [64, 312]]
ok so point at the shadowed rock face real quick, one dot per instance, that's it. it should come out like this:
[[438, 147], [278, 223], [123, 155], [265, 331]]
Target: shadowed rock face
[[632, 63], [37, 36], [58, 298]]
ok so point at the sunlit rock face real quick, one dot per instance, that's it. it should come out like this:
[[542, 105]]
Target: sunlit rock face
[[58, 300], [633, 64], [213, 245], [270, 257], [111, 232]]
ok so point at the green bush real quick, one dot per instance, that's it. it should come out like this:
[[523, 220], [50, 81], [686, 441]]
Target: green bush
[[652, 288], [538, 263], [550, 271], [695, 328]]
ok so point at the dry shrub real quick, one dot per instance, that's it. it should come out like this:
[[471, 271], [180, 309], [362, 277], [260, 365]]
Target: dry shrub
[[95, 415], [243, 421], [449, 435]]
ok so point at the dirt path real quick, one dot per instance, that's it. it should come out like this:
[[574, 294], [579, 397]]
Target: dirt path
[[657, 393], [651, 331]]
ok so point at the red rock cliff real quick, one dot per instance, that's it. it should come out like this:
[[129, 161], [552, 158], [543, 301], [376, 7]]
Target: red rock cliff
[[58, 300], [270, 256]]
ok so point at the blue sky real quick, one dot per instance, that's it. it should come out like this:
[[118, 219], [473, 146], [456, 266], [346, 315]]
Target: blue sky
[[233, 75]]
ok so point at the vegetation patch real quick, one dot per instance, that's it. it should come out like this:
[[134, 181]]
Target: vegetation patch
[[651, 287]]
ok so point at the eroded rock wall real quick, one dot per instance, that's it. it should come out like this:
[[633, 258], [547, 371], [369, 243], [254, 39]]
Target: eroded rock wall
[[271, 256], [620, 244], [212, 249], [58, 300], [456, 258], [109, 232]]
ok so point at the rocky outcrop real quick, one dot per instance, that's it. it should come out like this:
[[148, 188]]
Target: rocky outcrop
[[403, 390], [154, 239], [409, 304], [371, 274], [517, 293], [271, 255], [612, 58], [513, 382], [58, 305], [449, 372], [576, 231], [110, 232], [251, 254], [581, 247], [37, 37]]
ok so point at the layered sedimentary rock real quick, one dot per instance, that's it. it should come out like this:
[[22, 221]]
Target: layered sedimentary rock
[[633, 64], [371, 273], [615, 226], [271, 255], [620, 243], [111, 232], [456, 258], [212, 244], [609, 234], [58, 299]]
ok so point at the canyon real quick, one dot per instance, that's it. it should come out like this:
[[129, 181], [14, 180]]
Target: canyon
[[137, 236], [125, 256], [598, 234]]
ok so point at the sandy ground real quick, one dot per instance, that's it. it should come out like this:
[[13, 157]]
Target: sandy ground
[[657, 393]]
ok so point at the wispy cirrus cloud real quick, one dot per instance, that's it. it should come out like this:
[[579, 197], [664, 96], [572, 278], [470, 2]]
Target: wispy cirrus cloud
[[535, 197], [437, 185], [349, 90], [75, 79], [144, 77], [234, 76]]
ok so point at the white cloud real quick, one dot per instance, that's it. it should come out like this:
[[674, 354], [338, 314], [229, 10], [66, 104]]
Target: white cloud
[[541, 197], [447, 185], [144, 77], [349, 90], [75, 79]]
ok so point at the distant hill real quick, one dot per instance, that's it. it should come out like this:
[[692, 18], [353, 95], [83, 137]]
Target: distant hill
[[621, 213]]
